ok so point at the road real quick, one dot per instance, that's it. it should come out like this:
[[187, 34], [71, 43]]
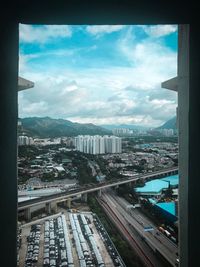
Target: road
[[137, 221], [125, 230], [67, 194]]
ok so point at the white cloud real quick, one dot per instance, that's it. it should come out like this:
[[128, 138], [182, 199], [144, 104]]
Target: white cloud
[[42, 34], [159, 30], [128, 94], [103, 29], [97, 96], [151, 62], [52, 95], [143, 120], [40, 106]]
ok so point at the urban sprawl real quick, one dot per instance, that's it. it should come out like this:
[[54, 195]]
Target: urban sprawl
[[98, 200]]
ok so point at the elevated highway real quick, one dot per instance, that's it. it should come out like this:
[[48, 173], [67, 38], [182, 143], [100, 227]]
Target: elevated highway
[[58, 197]]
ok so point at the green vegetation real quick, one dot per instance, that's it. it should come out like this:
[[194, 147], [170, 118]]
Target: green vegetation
[[102, 164], [84, 173], [47, 127], [168, 192], [127, 192], [151, 213], [128, 255], [77, 163], [29, 152], [149, 139], [48, 177], [170, 124]]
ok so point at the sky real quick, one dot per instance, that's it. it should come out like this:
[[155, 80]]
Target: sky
[[101, 74]]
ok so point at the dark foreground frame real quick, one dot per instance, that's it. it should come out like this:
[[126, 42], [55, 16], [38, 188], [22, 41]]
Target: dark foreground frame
[[98, 12]]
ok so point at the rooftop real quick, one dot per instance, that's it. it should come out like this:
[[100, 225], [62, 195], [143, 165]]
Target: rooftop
[[155, 186], [167, 206]]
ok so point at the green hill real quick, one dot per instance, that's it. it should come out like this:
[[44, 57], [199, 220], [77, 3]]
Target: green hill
[[48, 127], [170, 124]]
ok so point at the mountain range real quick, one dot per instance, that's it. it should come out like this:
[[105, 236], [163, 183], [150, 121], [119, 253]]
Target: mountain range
[[126, 126], [47, 127], [170, 124]]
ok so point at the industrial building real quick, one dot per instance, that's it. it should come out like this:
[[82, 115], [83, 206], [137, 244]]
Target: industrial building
[[155, 187]]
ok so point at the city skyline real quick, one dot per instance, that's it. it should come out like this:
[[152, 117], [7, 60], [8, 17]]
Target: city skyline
[[109, 74]]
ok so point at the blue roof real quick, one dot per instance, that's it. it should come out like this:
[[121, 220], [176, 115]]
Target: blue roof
[[173, 179], [155, 186], [167, 206]]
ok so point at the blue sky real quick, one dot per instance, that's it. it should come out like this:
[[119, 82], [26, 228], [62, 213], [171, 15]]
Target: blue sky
[[108, 74]]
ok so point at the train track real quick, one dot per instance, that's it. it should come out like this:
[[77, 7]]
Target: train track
[[121, 226]]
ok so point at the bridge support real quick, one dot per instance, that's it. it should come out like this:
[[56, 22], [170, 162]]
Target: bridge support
[[84, 197], [68, 203], [48, 208], [54, 207], [99, 193], [130, 185], [27, 214]]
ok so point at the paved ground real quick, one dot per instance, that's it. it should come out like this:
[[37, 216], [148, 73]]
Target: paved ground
[[22, 252], [27, 227], [106, 257]]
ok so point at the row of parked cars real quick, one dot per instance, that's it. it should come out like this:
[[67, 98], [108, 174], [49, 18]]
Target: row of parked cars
[[108, 243], [84, 252], [55, 253], [33, 245], [19, 241]]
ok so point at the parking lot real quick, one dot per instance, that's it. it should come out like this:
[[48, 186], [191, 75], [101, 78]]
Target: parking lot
[[67, 239]]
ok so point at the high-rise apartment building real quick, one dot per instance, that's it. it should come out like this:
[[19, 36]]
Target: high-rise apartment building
[[25, 140], [122, 132], [98, 144]]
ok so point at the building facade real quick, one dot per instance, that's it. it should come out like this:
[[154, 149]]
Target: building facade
[[98, 144], [25, 140]]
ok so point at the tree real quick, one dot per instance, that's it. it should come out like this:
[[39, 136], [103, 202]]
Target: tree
[[168, 192]]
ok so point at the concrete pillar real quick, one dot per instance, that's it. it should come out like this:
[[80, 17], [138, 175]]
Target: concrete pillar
[[183, 123], [99, 192], [68, 202], [27, 214], [48, 208], [54, 206], [84, 197], [130, 184]]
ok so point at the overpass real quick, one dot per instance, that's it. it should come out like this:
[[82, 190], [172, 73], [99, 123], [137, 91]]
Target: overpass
[[68, 194]]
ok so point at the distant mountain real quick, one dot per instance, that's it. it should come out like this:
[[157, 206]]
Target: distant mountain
[[126, 126], [48, 127], [170, 124]]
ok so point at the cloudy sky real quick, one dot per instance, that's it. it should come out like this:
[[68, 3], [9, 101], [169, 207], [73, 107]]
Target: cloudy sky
[[108, 74]]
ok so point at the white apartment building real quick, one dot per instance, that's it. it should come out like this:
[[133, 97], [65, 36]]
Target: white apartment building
[[25, 140], [122, 131], [98, 144], [167, 132]]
